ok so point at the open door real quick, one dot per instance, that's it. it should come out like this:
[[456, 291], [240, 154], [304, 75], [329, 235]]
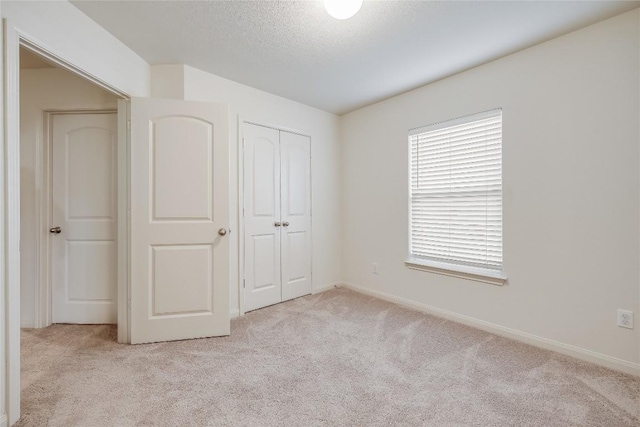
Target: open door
[[179, 217]]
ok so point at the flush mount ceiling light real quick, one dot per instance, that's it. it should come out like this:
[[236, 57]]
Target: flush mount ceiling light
[[342, 9]]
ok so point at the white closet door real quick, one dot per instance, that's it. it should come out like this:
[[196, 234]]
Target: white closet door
[[83, 239], [262, 286], [179, 216], [295, 158]]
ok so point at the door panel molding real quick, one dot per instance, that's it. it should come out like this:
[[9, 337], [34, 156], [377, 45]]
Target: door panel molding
[[169, 203]]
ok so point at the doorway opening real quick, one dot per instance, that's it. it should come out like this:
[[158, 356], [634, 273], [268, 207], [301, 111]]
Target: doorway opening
[[68, 197], [40, 89]]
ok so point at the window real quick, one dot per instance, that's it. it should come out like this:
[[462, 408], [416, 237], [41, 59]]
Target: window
[[456, 196]]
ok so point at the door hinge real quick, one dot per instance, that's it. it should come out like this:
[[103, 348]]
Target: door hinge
[[244, 283], [129, 303], [129, 124]]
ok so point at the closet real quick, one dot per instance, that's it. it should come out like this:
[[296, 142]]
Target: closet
[[276, 215]]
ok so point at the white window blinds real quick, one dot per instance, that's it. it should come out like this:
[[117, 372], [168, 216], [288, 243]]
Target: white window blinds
[[456, 191]]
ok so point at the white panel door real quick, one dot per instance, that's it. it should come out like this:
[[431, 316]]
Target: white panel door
[[179, 216], [262, 222], [84, 247], [295, 166]]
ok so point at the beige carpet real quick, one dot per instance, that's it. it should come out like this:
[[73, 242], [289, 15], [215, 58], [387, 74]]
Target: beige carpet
[[334, 359]]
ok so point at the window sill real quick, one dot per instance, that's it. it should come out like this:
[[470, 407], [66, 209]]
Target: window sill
[[483, 275]]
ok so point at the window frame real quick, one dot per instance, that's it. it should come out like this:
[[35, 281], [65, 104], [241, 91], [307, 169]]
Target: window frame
[[452, 268]]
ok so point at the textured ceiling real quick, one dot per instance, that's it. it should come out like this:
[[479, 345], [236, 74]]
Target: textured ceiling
[[296, 50]]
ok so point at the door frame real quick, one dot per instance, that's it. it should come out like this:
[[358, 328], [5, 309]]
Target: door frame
[[13, 39], [241, 248], [44, 211]]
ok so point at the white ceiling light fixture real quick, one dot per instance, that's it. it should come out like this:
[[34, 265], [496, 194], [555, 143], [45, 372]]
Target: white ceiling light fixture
[[342, 9]]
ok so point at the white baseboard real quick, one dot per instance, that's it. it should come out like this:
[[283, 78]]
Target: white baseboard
[[535, 340], [3, 421], [324, 288], [234, 312]]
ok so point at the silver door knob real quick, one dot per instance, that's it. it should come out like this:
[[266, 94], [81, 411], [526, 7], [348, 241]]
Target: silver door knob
[[285, 224], [277, 224], [55, 230], [222, 232]]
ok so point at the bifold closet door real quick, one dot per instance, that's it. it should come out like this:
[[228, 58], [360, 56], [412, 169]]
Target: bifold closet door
[[277, 216], [262, 224], [295, 167]]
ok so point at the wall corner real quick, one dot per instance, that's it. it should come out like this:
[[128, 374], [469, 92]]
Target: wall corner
[[167, 81]]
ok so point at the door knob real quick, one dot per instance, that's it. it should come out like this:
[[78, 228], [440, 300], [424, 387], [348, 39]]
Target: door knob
[[55, 230], [277, 224], [285, 224], [222, 232]]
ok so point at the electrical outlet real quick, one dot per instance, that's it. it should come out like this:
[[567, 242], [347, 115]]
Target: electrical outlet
[[374, 268], [625, 319]]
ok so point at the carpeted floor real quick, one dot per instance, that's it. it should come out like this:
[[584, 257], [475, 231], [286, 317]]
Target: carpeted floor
[[334, 359]]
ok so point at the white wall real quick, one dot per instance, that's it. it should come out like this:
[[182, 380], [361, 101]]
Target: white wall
[[40, 90], [167, 81], [571, 189], [62, 29], [261, 107]]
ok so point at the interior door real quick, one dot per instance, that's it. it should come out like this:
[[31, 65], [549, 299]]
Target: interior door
[[295, 165], [84, 228], [262, 222], [179, 218]]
